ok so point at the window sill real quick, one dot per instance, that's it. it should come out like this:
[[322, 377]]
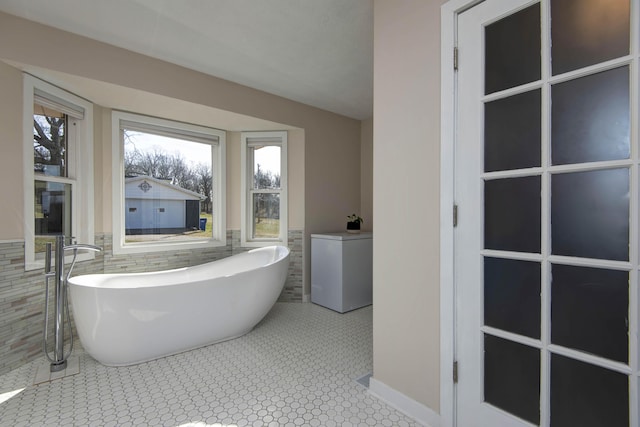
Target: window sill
[[262, 243], [138, 248]]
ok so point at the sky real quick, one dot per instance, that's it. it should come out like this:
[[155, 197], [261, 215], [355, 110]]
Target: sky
[[195, 153]]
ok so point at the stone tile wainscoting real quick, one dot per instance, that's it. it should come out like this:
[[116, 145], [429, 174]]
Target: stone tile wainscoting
[[292, 291], [22, 292]]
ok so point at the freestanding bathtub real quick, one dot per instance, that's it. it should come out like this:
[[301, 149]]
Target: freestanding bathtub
[[124, 319]]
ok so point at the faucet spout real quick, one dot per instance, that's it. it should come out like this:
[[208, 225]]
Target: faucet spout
[[83, 246]]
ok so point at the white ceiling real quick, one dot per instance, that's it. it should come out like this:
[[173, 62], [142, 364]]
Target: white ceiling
[[318, 52]]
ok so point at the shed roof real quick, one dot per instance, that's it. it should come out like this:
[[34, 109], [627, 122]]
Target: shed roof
[[147, 187]]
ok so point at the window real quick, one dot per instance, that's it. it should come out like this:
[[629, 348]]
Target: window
[[58, 173], [264, 183], [168, 180]]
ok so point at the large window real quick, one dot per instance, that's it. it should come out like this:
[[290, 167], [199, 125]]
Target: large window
[[58, 175], [264, 183], [169, 188]]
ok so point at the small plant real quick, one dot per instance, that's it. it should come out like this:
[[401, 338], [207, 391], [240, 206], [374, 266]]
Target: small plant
[[355, 218], [353, 225]]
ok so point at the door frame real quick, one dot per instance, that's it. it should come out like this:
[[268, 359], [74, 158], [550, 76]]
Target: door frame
[[448, 101], [450, 11]]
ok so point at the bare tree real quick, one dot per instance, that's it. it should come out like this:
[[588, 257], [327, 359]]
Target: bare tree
[[205, 185], [49, 142], [266, 205], [159, 164]]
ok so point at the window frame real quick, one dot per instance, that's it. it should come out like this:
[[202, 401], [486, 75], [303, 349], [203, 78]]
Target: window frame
[[218, 168], [273, 138], [79, 163]]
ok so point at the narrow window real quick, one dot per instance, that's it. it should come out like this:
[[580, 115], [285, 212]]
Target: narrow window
[[58, 177], [264, 210]]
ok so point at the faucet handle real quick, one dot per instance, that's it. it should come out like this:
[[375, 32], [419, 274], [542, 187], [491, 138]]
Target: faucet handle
[[47, 258]]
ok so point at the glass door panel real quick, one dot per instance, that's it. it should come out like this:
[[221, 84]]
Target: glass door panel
[[512, 132], [590, 214], [590, 118], [512, 377], [586, 32], [590, 310], [513, 50], [586, 395], [512, 296], [512, 214]]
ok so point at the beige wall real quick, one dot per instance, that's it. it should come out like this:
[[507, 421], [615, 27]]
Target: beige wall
[[102, 169], [405, 197], [233, 180], [296, 172], [11, 225], [366, 174], [330, 164]]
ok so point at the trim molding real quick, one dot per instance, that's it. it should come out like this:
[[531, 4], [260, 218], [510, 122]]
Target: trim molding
[[448, 94], [419, 412], [12, 241]]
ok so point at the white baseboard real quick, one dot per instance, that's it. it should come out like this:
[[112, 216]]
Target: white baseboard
[[404, 404]]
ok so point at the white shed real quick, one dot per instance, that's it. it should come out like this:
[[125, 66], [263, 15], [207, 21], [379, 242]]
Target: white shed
[[154, 206]]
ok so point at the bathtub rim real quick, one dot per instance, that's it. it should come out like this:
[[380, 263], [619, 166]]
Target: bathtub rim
[[85, 279]]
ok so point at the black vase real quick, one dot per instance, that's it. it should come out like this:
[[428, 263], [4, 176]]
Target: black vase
[[353, 226]]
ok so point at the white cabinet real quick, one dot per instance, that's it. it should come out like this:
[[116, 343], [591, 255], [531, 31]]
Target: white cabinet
[[341, 270]]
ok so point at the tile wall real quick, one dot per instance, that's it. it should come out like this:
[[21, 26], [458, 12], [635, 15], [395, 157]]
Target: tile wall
[[22, 292]]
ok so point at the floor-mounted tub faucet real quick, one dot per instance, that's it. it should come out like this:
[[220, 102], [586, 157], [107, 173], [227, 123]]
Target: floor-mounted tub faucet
[[59, 359]]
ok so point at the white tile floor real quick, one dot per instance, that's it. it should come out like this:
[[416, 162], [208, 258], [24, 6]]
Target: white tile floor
[[299, 366]]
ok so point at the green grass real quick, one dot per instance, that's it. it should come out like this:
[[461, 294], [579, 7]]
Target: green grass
[[208, 229], [41, 243], [190, 234], [267, 228]]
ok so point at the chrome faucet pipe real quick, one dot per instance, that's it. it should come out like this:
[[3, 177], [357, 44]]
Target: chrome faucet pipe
[[84, 246], [75, 248], [47, 259], [59, 360]]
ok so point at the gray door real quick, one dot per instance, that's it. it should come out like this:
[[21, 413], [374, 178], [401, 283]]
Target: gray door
[[546, 251]]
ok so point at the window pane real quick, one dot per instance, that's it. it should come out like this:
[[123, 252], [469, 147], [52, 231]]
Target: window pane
[[52, 212], [512, 296], [512, 132], [586, 32], [513, 50], [266, 216], [590, 214], [168, 188], [49, 142], [512, 214], [266, 167], [512, 377], [587, 396], [590, 118], [590, 310]]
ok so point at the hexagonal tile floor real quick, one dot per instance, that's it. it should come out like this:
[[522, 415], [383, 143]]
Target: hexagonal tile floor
[[298, 367]]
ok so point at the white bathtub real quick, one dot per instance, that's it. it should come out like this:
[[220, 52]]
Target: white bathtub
[[124, 319]]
